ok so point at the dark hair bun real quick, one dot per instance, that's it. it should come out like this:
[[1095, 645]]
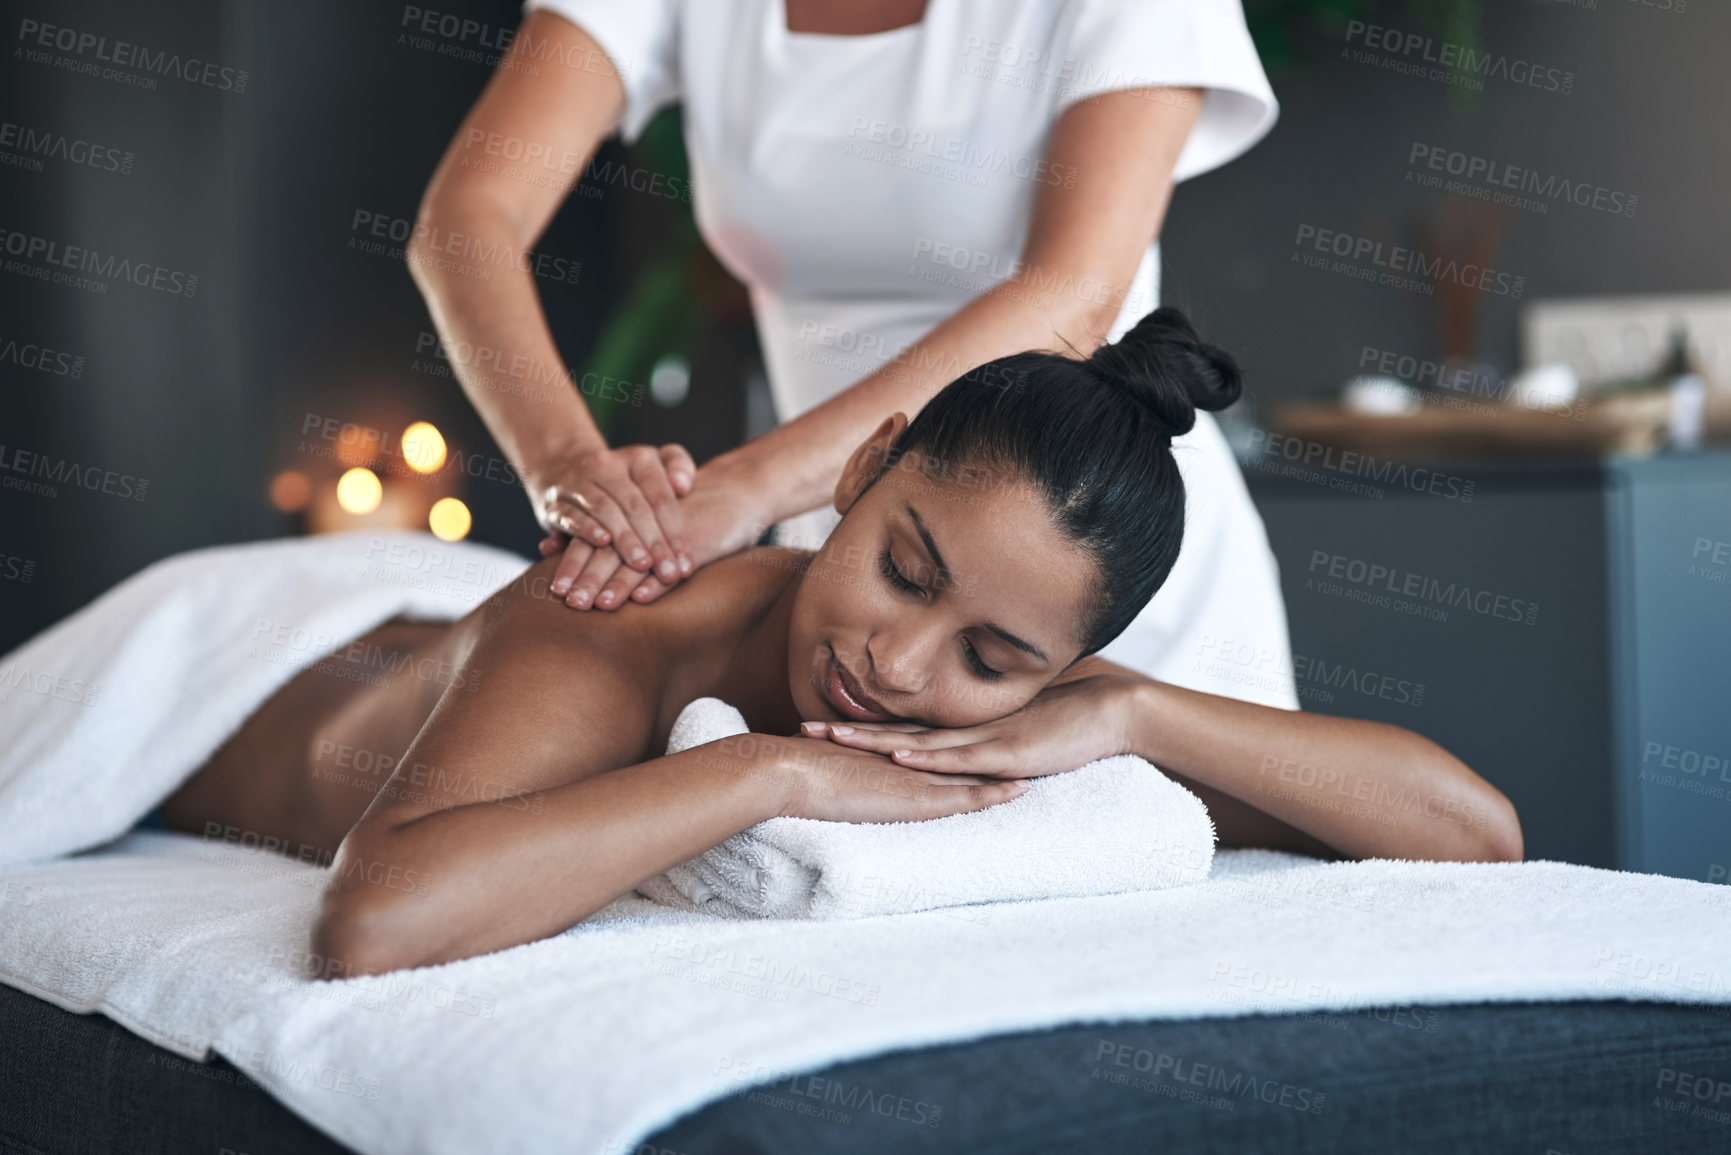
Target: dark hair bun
[[1169, 369]]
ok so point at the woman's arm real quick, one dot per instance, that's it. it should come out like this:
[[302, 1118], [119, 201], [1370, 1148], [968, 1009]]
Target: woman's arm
[[1272, 778], [1363, 789], [1122, 148], [528, 804], [550, 109]]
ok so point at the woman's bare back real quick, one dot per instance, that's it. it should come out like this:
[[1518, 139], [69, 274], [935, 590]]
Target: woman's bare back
[[304, 768]]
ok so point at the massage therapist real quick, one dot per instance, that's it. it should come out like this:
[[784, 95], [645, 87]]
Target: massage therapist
[[909, 189]]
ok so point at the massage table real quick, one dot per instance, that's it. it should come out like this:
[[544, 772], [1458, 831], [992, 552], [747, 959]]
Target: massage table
[[1536, 1077], [1275, 1002]]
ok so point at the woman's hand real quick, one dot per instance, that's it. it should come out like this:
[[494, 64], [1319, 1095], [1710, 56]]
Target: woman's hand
[[1065, 726], [722, 512], [831, 782]]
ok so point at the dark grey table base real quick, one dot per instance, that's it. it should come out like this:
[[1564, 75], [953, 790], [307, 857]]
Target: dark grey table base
[[1574, 1078]]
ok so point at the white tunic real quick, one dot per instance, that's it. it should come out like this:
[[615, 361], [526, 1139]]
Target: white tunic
[[865, 188]]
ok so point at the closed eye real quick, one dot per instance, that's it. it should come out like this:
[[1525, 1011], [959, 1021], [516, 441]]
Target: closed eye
[[893, 573], [980, 668]]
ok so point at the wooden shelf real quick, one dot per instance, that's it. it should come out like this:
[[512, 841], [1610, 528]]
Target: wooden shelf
[[1630, 424]]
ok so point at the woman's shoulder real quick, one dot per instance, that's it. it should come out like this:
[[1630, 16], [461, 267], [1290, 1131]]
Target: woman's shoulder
[[779, 558], [748, 580], [719, 598]]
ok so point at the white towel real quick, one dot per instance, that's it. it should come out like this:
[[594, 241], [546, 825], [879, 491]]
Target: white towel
[[587, 1042], [1111, 826], [105, 714]]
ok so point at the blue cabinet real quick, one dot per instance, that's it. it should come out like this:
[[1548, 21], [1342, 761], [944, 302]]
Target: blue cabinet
[[1670, 521], [1570, 626]]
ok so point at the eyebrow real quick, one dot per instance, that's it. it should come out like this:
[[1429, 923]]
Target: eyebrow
[[1026, 647]]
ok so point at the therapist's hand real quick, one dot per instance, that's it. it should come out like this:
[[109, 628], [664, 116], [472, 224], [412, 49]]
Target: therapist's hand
[[625, 499], [722, 514]]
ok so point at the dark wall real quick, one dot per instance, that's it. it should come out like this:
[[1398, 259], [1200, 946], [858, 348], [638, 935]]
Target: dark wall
[[255, 192], [191, 401], [1645, 118], [162, 394]]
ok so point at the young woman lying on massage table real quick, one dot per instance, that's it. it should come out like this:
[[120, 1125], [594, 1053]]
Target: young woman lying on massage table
[[927, 660]]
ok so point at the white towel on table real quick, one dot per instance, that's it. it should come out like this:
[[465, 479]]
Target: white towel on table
[[1111, 826], [587, 1042]]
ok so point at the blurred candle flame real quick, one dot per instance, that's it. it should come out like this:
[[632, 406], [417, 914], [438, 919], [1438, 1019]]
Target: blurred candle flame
[[449, 519], [359, 491], [423, 448], [290, 491]]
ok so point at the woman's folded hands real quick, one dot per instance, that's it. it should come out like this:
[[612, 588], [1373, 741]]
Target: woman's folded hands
[[1067, 725], [823, 780], [904, 772]]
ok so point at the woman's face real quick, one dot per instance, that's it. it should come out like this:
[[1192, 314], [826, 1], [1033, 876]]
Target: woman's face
[[944, 602]]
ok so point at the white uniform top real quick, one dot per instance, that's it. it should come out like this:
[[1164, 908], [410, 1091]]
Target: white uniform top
[[865, 188]]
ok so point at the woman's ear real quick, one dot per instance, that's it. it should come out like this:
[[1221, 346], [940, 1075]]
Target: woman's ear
[[867, 462]]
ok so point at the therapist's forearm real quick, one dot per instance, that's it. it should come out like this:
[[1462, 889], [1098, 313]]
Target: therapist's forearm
[[796, 464], [488, 312], [509, 365]]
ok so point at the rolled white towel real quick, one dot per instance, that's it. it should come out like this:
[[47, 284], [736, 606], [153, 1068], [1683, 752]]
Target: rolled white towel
[[1113, 825]]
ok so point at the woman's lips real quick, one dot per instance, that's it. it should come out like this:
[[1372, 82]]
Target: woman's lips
[[848, 699]]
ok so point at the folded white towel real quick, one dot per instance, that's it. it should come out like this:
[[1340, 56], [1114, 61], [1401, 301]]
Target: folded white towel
[[1111, 826]]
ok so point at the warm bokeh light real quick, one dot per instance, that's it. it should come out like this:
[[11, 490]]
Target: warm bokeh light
[[424, 449], [359, 491], [290, 491], [356, 445], [449, 519]]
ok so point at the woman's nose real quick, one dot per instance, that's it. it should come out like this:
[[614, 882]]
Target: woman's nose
[[903, 661]]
